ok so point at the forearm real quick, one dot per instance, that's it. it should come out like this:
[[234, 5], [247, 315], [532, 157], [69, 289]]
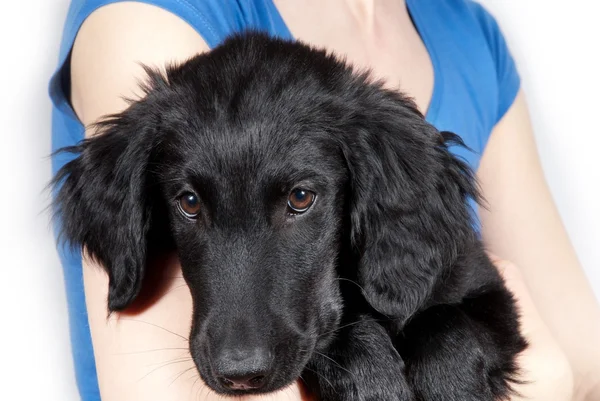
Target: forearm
[[562, 295], [139, 355], [143, 355], [522, 225]]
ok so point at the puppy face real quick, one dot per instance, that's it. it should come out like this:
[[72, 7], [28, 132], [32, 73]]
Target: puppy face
[[273, 171], [255, 210]]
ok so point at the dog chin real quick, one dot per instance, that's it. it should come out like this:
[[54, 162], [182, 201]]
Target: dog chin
[[287, 387], [275, 384], [284, 376]]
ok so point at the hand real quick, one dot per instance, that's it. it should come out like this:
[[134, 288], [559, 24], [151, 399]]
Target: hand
[[546, 372]]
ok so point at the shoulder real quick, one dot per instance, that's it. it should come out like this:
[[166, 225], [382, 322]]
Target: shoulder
[[487, 26], [211, 20], [473, 54]]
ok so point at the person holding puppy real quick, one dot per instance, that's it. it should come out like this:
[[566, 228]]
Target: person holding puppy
[[413, 46]]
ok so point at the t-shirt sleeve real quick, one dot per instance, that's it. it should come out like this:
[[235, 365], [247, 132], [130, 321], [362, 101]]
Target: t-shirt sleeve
[[507, 75], [212, 19]]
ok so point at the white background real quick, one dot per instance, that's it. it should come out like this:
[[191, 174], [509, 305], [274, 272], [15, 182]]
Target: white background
[[555, 44]]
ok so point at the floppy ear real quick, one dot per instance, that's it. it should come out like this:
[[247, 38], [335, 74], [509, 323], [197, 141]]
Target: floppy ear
[[409, 210], [102, 199]]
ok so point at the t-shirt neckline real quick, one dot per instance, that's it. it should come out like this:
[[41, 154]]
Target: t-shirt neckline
[[421, 27]]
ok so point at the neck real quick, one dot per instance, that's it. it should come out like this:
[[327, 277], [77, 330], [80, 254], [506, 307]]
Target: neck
[[366, 11], [363, 10]]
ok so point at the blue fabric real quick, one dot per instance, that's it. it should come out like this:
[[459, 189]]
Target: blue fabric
[[475, 83]]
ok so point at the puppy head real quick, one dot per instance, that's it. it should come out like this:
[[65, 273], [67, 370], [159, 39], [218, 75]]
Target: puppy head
[[261, 162]]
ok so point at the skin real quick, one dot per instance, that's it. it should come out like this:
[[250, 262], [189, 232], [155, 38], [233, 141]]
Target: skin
[[142, 354]]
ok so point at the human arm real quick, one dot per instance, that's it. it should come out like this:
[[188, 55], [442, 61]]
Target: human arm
[[522, 224], [141, 354]]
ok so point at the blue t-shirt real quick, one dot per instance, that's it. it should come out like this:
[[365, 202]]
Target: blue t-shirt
[[475, 82]]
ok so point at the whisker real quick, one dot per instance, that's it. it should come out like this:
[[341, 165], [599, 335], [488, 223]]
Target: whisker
[[151, 350], [335, 362], [181, 374], [175, 288], [192, 389], [198, 392], [348, 325], [206, 390], [302, 378], [351, 281], [155, 325], [322, 377], [179, 359], [160, 367]]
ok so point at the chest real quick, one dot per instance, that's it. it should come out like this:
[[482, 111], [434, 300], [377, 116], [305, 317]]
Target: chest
[[387, 42]]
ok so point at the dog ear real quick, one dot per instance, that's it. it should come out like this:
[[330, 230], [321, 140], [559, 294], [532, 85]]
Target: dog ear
[[409, 212], [102, 202]]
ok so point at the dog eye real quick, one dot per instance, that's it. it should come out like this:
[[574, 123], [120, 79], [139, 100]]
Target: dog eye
[[300, 200], [189, 205]]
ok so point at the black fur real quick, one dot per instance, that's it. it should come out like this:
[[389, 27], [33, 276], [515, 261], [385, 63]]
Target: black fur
[[380, 291]]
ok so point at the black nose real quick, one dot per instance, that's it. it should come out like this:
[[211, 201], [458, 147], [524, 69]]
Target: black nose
[[243, 369]]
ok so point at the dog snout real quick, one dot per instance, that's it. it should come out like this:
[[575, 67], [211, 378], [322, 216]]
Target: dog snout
[[239, 368]]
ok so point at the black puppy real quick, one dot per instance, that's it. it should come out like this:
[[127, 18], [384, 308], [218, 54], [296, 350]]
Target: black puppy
[[322, 226]]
